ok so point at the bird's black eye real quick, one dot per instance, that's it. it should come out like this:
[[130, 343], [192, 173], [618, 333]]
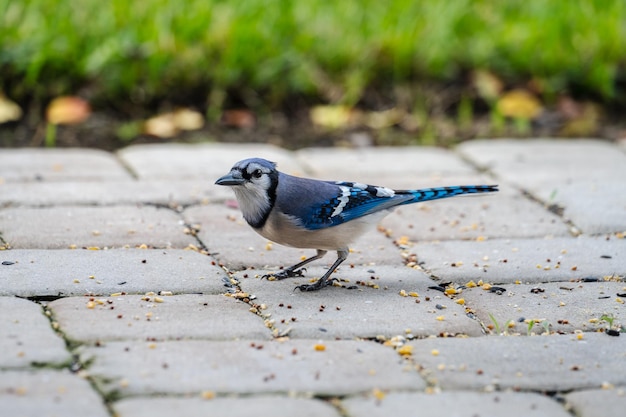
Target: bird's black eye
[[257, 173]]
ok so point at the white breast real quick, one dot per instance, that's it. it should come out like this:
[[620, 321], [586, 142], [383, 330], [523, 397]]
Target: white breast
[[283, 229]]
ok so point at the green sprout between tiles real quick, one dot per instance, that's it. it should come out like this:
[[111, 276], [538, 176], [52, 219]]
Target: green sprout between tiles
[[609, 318], [613, 327], [545, 324], [504, 330]]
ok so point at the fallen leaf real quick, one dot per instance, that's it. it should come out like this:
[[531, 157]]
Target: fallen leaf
[[487, 84], [67, 110], [385, 118], [240, 118], [519, 103], [334, 116], [586, 123], [161, 126], [187, 119], [9, 110]]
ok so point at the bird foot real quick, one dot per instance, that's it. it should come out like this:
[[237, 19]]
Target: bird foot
[[317, 285], [285, 273]]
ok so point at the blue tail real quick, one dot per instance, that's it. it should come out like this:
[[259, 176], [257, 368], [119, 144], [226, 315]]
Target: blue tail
[[427, 194]]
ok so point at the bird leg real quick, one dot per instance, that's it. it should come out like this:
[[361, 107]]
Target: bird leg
[[295, 271], [325, 279]]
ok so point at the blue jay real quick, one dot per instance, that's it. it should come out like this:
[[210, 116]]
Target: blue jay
[[322, 215]]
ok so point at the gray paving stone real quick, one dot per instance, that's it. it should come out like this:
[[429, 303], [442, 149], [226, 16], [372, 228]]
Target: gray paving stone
[[48, 393], [206, 162], [365, 312], [369, 164], [118, 226], [506, 214], [594, 206], [245, 248], [27, 337], [597, 403], [172, 193], [459, 403], [187, 316], [133, 359], [32, 164], [247, 367], [233, 407], [566, 306], [70, 272], [526, 260], [538, 163], [582, 176], [540, 363]]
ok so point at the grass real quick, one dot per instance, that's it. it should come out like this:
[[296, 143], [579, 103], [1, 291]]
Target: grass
[[133, 59], [266, 51]]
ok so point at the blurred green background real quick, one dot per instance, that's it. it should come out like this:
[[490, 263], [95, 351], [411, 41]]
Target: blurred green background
[[442, 64]]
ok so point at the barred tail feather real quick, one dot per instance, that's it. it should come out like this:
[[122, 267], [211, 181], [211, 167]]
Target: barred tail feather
[[435, 193]]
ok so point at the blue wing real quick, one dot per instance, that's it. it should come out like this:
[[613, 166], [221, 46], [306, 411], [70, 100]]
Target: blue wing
[[351, 201], [320, 204]]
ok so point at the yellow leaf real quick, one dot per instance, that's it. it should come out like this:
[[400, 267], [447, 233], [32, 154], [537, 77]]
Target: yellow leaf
[[333, 116], [519, 104]]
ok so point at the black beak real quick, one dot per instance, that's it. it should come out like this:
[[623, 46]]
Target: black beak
[[230, 179]]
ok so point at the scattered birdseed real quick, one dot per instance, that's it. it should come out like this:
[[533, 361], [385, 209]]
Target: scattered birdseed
[[405, 350], [378, 394], [207, 395]]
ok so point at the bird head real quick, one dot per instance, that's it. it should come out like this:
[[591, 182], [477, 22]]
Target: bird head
[[254, 182], [250, 173]]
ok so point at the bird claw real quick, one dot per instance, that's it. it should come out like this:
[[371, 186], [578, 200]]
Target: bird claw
[[285, 273], [317, 285]]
